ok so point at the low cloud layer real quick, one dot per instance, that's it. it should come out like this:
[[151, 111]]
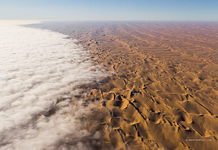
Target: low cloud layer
[[36, 68]]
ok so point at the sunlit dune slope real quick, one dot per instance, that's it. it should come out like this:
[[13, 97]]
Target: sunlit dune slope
[[164, 90]]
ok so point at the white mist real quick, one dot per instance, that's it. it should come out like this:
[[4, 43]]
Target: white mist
[[37, 67]]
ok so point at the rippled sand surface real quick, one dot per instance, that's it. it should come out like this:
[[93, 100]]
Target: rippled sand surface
[[164, 89]]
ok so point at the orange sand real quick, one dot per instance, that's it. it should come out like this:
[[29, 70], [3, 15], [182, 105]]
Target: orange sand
[[164, 88]]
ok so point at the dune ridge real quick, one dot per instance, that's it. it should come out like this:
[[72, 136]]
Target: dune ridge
[[164, 89]]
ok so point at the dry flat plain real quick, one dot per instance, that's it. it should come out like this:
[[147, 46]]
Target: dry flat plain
[[163, 92]]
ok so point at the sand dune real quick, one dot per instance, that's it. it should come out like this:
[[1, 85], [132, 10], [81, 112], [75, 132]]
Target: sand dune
[[164, 89]]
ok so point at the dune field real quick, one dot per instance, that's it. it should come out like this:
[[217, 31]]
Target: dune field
[[163, 91]]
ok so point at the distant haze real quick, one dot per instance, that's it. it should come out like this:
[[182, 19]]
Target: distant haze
[[161, 10]]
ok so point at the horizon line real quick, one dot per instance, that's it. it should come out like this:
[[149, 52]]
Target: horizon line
[[48, 20]]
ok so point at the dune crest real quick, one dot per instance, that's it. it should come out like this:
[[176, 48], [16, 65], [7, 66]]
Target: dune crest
[[164, 90]]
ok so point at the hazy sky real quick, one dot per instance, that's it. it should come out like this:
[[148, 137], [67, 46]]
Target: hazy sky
[[179, 10]]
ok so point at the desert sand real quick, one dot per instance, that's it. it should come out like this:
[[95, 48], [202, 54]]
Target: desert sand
[[163, 91]]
